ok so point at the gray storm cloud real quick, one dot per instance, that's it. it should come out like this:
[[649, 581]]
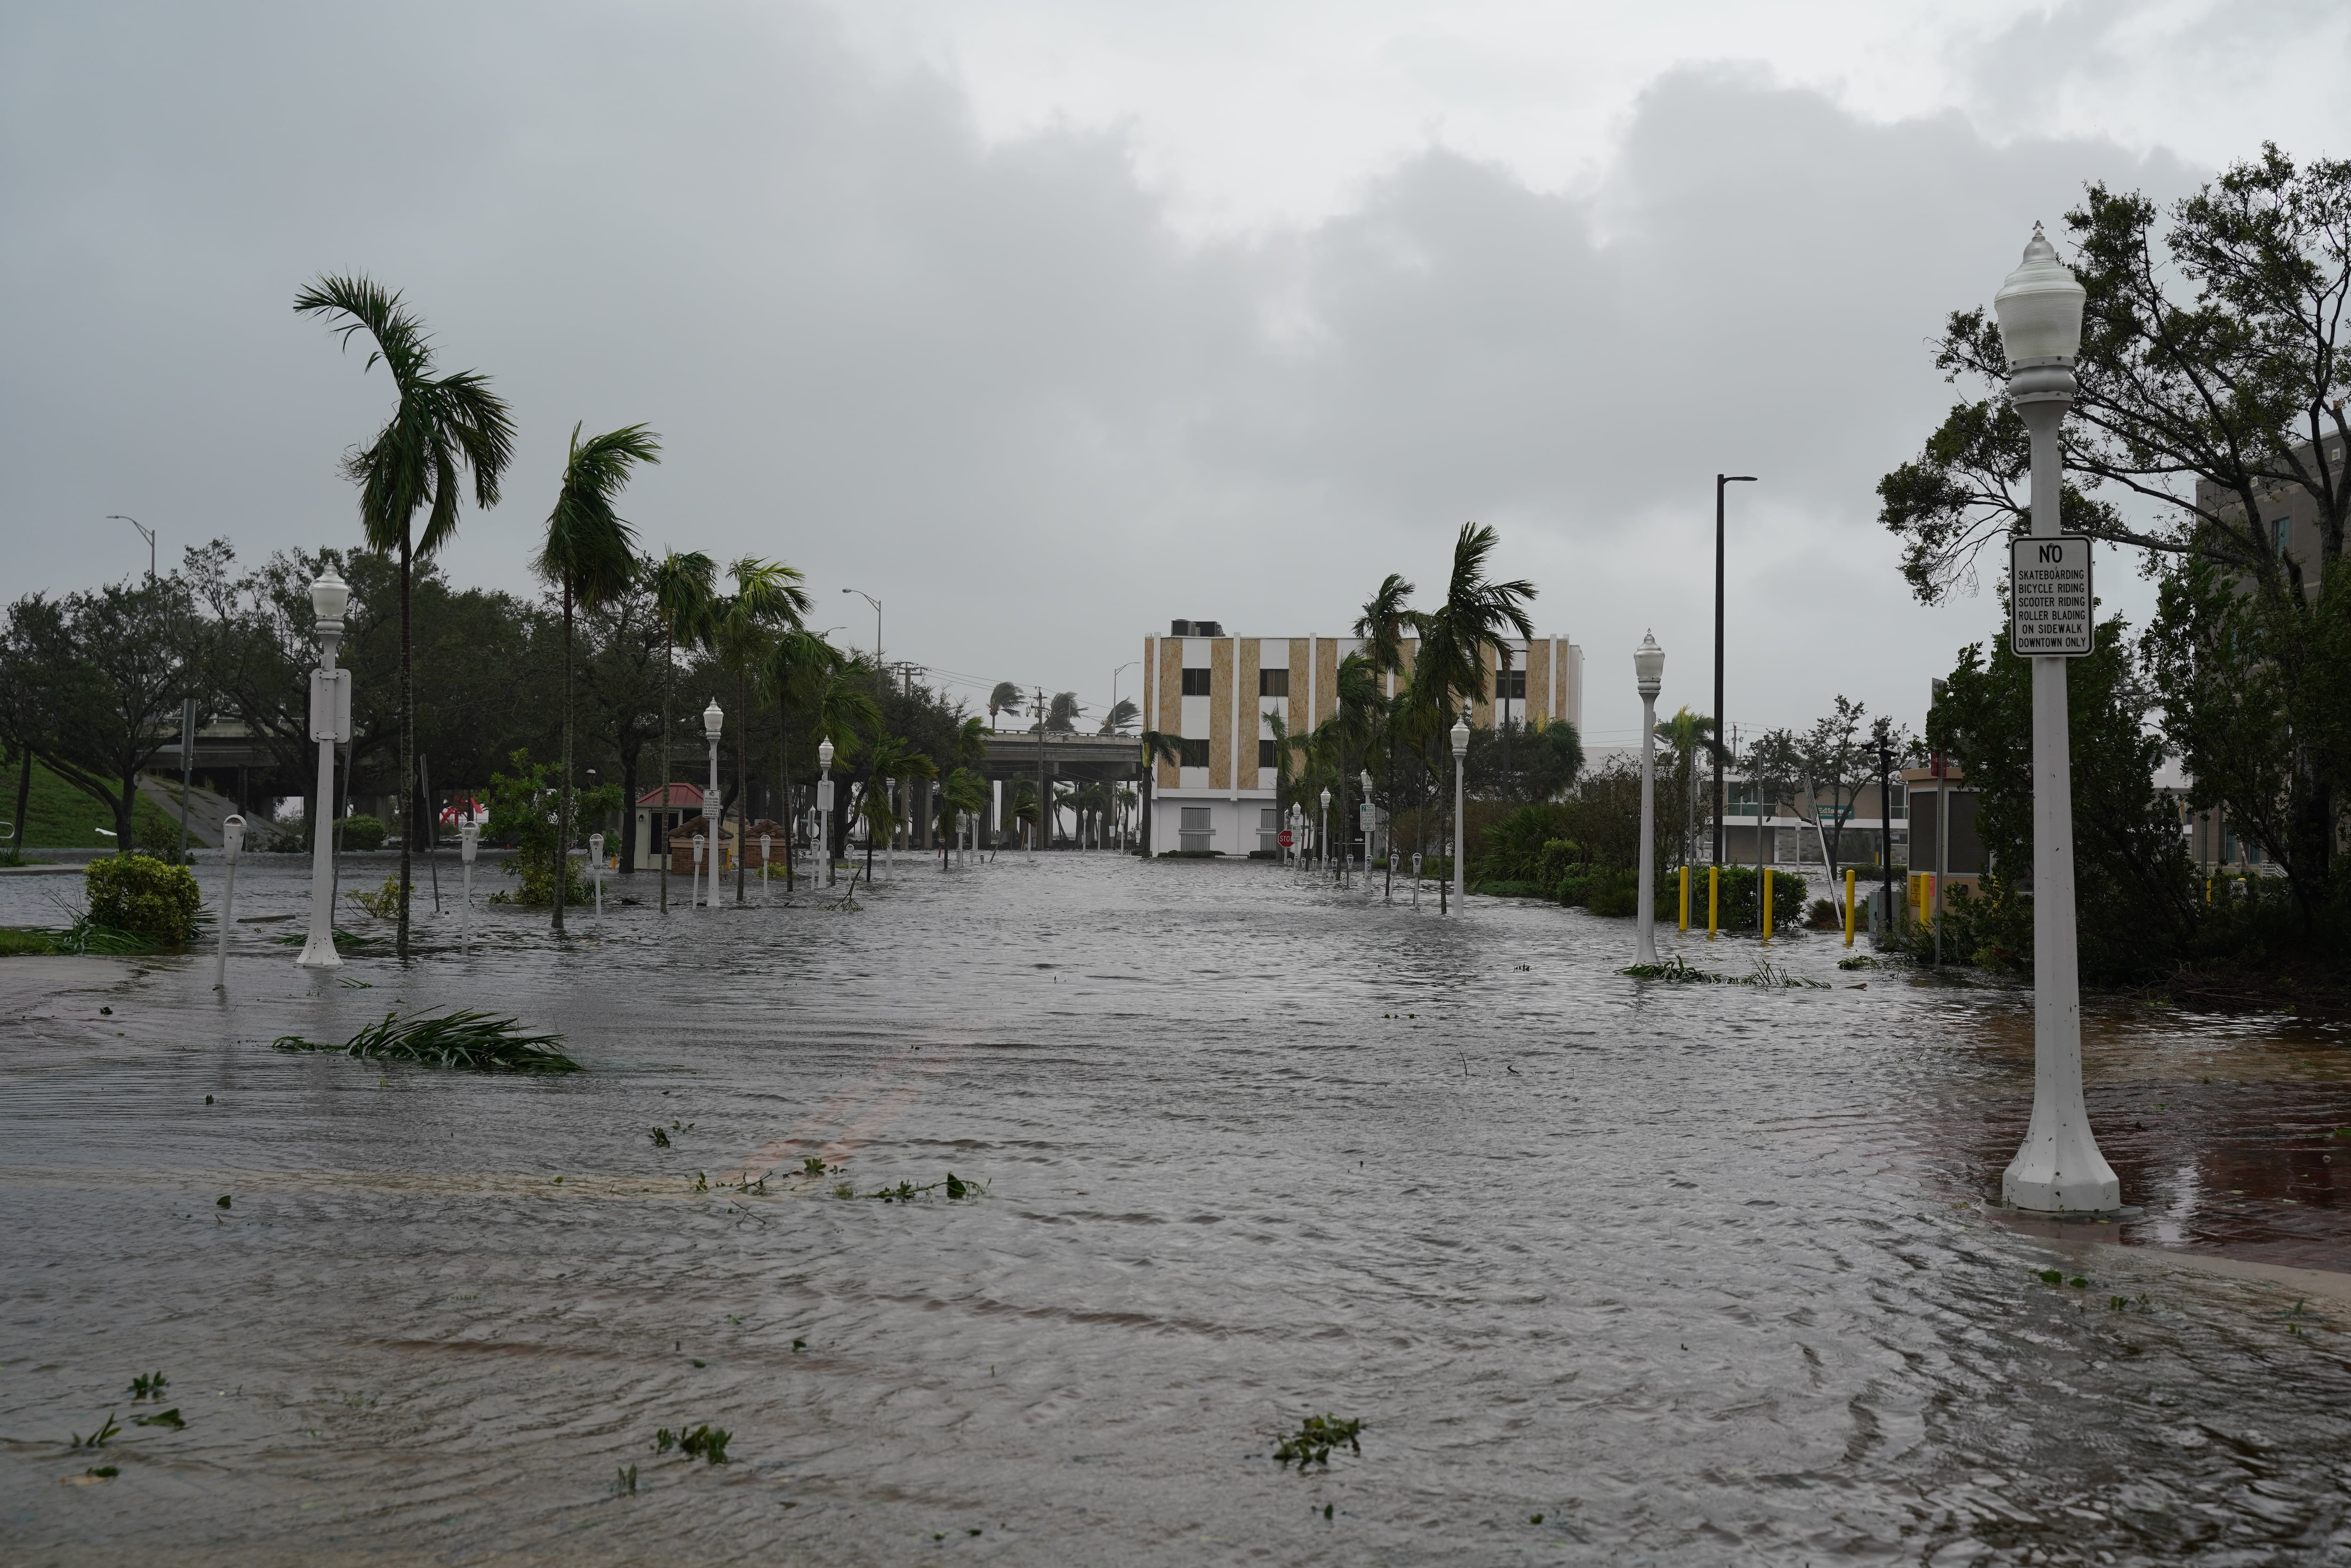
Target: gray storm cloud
[[987, 382]]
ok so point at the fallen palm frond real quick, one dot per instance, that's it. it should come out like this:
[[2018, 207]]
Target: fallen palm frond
[[86, 936], [1676, 971], [1315, 1437], [465, 1039]]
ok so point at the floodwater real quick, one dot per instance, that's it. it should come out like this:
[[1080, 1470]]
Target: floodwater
[[1611, 1271]]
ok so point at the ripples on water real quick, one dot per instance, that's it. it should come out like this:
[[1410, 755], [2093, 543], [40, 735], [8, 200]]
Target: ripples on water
[[1680, 1268]]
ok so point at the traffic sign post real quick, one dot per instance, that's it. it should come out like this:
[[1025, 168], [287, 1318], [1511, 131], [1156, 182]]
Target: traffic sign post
[[2051, 608]]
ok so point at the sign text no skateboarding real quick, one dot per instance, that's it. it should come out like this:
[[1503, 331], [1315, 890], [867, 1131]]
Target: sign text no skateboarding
[[2050, 605]]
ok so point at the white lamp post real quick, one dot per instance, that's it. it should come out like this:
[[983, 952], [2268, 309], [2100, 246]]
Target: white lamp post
[[767, 850], [824, 803], [596, 869], [1648, 674], [469, 843], [1364, 780], [713, 723], [2060, 1168], [1322, 830], [1460, 738], [232, 843], [331, 726]]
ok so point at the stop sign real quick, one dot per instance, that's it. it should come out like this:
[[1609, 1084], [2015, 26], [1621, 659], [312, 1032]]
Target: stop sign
[[1286, 839]]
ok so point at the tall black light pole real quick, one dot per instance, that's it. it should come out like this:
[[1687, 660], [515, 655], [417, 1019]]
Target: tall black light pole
[[1886, 832], [1721, 734]]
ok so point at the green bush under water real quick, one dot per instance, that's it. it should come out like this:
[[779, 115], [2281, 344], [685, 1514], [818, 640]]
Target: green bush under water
[[141, 895]]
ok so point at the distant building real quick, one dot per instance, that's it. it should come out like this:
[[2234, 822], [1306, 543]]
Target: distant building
[[1216, 691]]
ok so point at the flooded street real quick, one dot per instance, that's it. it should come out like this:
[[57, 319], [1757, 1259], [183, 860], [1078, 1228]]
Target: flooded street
[[1611, 1271]]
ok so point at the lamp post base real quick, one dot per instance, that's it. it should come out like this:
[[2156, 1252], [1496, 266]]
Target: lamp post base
[[2044, 1178], [319, 953]]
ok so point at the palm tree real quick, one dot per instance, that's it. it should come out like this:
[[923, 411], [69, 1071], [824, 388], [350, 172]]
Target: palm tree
[[1387, 616], [591, 553], [1451, 669], [1063, 717], [1688, 736], [962, 793], [1005, 698], [1158, 746], [443, 428], [767, 602], [889, 758], [1122, 713], [845, 713], [683, 587], [794, 674]]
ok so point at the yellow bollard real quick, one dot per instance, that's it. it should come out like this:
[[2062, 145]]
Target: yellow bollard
[[1767, 903], [1848, 907], [1713, 898], [1685, 898]]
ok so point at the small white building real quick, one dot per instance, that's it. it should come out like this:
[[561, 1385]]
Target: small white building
[[1216, 691]]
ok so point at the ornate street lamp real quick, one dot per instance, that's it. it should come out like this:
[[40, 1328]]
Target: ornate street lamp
[[232, 843], [713, 723], [469, 843], [331, 726], [824, 803], [1648, 674], [1460, 737], [2060, 1168]]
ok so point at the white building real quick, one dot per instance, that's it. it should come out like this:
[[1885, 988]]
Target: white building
[[1216, 692]]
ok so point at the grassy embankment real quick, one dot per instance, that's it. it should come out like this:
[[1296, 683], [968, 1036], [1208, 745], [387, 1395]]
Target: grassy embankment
[[58, 815]]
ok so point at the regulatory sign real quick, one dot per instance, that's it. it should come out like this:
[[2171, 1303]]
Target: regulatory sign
[[2049, 598], [1286, 837]]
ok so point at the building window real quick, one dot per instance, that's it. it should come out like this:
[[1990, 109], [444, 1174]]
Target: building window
[[1192, 753], [1740, 801], [1273, 682], [2282, 530], [1195, 684], [1265, 755], [1268, 829], [1195, 833], [1510, 684]]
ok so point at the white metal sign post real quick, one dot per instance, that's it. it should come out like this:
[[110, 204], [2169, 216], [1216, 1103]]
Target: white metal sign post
[[2049, 598]]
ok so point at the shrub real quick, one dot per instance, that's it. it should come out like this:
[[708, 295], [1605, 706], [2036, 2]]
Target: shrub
[[1513, 849], [1510, 887], [362, 832], [141, 895], [1736, 908], [1617, 893]]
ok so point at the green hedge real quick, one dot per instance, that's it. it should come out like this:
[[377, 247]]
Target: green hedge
[[361, 831], [141, 895]]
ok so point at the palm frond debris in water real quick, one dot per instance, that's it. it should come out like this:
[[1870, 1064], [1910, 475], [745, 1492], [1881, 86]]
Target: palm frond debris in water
[[464, 1038]]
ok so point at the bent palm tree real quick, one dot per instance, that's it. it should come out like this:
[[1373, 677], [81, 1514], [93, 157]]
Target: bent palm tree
[[684, 588], [589, 552], [1005, 698], [443, 428], [1158, 746]]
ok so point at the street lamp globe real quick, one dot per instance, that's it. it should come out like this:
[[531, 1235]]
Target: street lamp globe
[[329, 595], [713, 720], [1326, 799], [824, 752], [1461, 736], [2040, 307], [1648, 664]]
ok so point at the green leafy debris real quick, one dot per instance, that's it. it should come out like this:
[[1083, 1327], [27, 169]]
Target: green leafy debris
[[98, 1439], [1315, 1437]]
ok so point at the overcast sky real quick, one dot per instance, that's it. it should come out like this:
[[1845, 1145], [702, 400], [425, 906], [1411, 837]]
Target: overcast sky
[[1046, 323]]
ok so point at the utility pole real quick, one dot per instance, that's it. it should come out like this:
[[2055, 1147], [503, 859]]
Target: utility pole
[[1721, 480], [1037, 831]]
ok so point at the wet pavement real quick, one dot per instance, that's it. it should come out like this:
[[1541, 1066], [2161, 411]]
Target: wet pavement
[[1694, 1273]]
